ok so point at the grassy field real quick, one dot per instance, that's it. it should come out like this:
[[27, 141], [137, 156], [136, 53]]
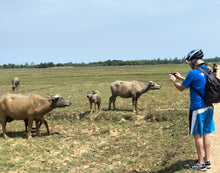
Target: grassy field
[[153, 140]]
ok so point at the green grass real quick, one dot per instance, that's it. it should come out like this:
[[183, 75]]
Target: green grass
[[111, 141]]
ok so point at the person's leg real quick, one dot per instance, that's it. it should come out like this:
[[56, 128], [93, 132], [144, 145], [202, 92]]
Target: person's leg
[[195, 130], [206, 141], [199, 147]]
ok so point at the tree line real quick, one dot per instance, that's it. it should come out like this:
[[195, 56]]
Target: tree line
[[104, 63]]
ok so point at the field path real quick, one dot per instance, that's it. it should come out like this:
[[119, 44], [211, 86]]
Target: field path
[[215, 141]]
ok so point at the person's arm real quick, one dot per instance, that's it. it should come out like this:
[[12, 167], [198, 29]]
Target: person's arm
[[177, 84]]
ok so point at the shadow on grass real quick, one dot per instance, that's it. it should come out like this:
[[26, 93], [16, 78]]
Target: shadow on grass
[[23, 134], [82, 115], [118, 110], [177, 166]]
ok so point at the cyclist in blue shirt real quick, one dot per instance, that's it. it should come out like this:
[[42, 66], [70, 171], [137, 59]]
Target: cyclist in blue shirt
[[201, 122]]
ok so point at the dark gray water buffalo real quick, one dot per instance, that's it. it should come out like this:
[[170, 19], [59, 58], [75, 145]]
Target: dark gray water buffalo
[[133, 89]]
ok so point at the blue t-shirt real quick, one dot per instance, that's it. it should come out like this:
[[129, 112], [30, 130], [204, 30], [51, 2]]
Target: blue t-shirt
[[197, 79]]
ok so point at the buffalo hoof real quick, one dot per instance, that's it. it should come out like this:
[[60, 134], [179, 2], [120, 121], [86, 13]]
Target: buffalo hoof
[[30, 137], [6, 137]]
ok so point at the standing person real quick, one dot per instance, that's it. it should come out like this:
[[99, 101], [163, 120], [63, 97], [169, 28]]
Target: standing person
[[214, 69], [207, 65], [201, 122]]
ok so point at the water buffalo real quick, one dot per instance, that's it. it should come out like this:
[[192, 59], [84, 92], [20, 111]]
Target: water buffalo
[[28, 107], [15, 83], [127, 89], [94, 97]]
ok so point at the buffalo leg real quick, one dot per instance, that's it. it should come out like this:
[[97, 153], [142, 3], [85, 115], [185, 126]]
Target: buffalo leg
[[98, 106], [95, 105], [133, 99], [40, 123], [45, 123], [114, 103], [30, 123], [90, 108], [4, 122], [26, 125], [37, 127], [134, 104], [110, 102]]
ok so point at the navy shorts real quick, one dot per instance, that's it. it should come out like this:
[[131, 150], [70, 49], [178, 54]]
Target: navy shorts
[[201, 121]]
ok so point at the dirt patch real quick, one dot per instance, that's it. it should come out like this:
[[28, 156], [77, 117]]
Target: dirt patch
[[215, 147]]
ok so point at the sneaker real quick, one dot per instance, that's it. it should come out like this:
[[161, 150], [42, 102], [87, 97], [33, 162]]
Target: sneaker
[[197, 166], [208, 164]]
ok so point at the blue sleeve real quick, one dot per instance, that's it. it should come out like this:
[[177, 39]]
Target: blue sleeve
[[189, 78]]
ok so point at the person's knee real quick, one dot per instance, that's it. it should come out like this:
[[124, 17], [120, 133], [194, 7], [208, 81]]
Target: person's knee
[[197, 136], [206, 137]]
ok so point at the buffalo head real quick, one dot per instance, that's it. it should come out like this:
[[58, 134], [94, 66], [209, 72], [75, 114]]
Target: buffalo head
[[153, 86], [58, 101]]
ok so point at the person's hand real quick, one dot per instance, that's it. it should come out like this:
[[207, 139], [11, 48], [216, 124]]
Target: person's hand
[[178, 75], [172, 78]]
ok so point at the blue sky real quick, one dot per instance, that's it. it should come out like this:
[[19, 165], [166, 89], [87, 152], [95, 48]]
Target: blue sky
[[77, 31]]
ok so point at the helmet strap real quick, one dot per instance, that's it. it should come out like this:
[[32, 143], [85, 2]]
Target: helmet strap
[[194, 63]]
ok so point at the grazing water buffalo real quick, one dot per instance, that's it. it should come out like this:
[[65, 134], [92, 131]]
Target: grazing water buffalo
[[28, 107], [15, 83], [94, 97], [127, 89]]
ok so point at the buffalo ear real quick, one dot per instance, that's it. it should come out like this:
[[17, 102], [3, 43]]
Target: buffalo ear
[[94, 92], [49, 96], [53, 96]]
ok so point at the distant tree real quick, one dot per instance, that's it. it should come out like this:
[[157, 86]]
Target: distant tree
[[105, 63], [42, 65], [59, 65], [26, 65], [4, 66], [51, 64]]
